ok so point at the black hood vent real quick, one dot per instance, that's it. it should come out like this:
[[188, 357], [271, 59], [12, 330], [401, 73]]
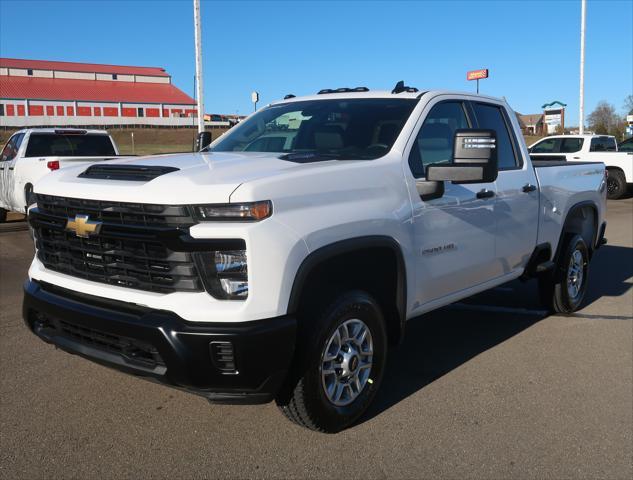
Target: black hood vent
[[133, 173]]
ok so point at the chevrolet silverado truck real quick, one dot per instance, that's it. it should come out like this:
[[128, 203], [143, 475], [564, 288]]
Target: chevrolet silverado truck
[[32, 153], [285, 269], [592, 148]]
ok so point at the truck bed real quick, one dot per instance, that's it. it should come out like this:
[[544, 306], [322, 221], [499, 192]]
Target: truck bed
[[563, 185]]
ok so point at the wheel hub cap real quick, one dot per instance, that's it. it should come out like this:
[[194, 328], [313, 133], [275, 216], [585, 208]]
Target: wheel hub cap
[[575, 274], [346, 362]]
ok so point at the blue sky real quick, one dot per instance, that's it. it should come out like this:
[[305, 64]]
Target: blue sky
[[531, 47]]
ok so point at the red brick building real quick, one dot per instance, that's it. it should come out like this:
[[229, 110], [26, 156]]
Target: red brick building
[[48, 93]]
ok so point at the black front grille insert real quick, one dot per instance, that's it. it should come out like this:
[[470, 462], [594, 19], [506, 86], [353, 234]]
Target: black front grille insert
[[127, 251], [122, 213], [134, 173], [130, 350]]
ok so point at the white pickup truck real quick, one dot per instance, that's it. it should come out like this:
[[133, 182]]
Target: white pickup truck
[[590, 148], [32, 153], [286, 272]]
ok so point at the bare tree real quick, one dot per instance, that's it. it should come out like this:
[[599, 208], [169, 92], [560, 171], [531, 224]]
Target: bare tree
[[604, 119], [628, 104]]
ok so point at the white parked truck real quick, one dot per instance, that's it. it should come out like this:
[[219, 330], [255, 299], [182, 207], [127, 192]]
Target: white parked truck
[[31, 154], [590, 148], [286, 273]]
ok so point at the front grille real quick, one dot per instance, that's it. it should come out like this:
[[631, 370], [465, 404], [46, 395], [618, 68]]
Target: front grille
[[121, 254], [122, 213]]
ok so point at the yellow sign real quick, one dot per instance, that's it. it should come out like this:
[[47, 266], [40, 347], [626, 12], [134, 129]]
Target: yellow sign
[[83, 226]]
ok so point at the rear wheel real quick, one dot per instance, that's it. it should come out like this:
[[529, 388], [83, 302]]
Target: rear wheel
[[3, 215], [340, 364], [616, 184], [564, 290]]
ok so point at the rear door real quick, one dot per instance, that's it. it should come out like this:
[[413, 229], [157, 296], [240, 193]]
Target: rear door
[[517, 205], [454, 235]]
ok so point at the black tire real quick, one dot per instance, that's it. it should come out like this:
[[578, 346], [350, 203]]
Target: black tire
[[555, 288], [3, 215], [305, 401], [616, 184]]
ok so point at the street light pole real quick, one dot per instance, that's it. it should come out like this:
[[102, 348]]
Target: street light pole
[[583, 10], [198, 42]]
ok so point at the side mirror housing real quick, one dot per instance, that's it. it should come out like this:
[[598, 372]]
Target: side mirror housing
[[203, 140], [474, 159]]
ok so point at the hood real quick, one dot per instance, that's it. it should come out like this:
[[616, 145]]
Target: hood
[[208, 177]]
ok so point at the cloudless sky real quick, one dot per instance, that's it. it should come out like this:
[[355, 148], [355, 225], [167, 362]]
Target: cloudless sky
[[532, 48]]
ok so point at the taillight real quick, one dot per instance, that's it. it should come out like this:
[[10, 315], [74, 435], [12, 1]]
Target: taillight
[[53, 165]]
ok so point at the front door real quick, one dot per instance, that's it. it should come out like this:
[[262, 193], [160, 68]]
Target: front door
[[454, 234]]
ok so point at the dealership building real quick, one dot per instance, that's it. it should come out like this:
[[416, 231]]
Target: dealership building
[[48, 93]]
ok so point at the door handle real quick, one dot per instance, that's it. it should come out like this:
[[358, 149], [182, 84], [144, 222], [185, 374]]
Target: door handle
[[485, 193], [528, 187], [10, 168]]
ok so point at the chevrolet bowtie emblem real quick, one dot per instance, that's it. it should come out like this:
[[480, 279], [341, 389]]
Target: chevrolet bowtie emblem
[[83, 226]]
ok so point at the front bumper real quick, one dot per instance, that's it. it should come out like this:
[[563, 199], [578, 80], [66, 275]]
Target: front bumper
[[161, 346]]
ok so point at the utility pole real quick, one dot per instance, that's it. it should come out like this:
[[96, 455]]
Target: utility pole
[[198, 42], [583, 11]]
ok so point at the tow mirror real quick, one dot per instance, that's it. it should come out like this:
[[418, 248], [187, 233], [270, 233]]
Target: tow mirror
[[474, 159], [203, 140]]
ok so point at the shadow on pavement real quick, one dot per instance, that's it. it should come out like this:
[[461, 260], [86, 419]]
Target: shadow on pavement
[[441, 341], [609, 271]]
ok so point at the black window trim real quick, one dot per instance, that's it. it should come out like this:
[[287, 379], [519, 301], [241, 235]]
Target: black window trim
[[513, 140], [467, 114]]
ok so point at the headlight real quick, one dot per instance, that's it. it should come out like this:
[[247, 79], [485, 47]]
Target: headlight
[[241, 212], [225, 273]]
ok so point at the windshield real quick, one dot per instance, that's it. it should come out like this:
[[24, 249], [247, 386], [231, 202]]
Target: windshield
[[363, 128], [69, 145]]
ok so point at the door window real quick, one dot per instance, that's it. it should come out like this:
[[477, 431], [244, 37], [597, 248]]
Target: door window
[[626, 146], [549, 145], [602, 144], [10, 150], [571, 145], [434, 142], [491, 117]]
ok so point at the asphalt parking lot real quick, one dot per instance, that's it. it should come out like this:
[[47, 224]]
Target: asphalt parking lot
[[488, 388]]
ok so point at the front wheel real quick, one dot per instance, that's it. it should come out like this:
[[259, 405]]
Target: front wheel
[[3, 215], [564, 290], [341, 360]]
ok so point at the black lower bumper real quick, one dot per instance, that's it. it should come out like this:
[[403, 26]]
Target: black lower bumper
[[161, 346]]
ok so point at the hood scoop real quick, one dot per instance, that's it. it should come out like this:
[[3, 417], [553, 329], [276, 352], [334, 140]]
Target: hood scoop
[[132, 173]]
